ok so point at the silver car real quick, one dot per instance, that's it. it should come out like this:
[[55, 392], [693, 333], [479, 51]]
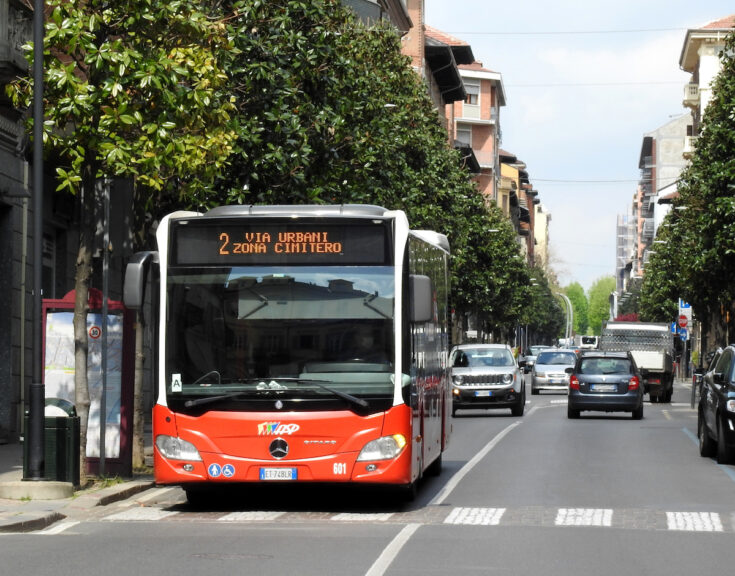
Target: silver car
[[486, 376], [549, 371]]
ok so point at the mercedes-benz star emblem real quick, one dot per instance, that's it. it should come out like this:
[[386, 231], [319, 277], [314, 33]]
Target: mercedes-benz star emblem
[[278, 448]]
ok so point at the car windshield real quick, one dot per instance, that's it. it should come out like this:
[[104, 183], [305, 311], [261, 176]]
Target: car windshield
[[560, 358], [605, 366], [481, 357]]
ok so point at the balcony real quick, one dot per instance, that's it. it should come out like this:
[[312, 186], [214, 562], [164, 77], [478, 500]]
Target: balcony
[[648, 229], [691, 95], [690, 145]]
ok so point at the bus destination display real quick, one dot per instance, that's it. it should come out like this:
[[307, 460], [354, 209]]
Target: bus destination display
[[197, 242]]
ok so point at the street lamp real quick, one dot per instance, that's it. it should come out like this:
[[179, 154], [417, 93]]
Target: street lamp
[[37, 389], [570, 317]]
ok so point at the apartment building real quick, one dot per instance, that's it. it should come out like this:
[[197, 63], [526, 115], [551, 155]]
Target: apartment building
[[666, 150], [700, 56]]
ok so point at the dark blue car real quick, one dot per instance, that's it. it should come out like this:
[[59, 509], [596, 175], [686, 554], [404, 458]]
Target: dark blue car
[[716, 414], [605, 382]]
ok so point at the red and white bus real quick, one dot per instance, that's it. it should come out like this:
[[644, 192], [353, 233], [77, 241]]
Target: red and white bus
[[297, 344]]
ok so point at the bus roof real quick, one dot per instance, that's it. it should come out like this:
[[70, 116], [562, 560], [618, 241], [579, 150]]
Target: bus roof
[[356, 210], [435, 238]]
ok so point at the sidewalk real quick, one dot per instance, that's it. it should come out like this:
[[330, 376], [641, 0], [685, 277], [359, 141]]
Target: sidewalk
[[33, 505]]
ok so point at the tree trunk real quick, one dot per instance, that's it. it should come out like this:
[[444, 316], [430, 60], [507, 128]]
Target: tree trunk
[[138, 417], [81, 308]]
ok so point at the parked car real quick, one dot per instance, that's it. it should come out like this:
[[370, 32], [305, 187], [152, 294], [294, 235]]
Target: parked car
[[529, 358], [549, 370], [716, 412], [486, 376], [605, 381]]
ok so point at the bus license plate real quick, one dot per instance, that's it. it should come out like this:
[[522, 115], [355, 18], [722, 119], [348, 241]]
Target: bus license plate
[[278, 474], [483, 393]]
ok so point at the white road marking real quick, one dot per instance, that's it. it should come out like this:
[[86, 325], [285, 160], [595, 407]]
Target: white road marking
[[380, 566], [57, 528], [252, 515], [369, 517], [475, 516], [141, 514], [462, 472], [694, 521], [584, 517]]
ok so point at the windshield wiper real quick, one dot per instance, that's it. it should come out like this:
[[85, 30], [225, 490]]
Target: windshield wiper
[[207, 375], [344, 395], [210, 399]]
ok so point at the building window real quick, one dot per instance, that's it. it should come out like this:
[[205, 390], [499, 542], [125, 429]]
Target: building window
[[472, 88], [464, 134]]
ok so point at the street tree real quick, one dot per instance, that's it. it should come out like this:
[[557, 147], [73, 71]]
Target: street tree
[[698, 261], [599, 302], [543, 314], [580, 306], [132, 89], [330, 111]]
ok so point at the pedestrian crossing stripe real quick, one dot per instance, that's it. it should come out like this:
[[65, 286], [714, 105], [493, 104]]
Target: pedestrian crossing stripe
[[369, 517], [475, 516], [584, 517], [694, 521], [250, 516], [141, 514]]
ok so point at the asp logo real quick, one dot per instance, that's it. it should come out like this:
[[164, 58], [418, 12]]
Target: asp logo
[[277, 429]]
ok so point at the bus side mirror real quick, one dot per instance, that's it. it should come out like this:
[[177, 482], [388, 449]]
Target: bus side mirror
[[135, 276], [422, 298]]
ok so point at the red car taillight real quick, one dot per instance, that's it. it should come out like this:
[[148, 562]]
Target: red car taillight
[[634, 383], [574, 382]]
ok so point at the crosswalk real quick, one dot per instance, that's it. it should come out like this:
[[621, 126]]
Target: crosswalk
[[638, 519]]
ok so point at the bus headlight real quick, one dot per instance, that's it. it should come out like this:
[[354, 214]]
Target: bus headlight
[[383, 448], [174, 448]]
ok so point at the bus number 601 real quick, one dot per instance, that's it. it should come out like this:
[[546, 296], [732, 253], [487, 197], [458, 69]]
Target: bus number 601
[[339, 468]]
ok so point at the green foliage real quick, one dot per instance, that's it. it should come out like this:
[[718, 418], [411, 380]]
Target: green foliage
[[330, 111], [599, 302], [133, 89], [269, 102], [580, 307], [543, 314], [698, 261]]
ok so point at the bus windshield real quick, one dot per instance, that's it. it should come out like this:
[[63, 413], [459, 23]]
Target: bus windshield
[[312, 336]]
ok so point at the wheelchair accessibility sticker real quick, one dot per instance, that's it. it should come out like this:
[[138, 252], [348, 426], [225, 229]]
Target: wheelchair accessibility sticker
[[215, 470]]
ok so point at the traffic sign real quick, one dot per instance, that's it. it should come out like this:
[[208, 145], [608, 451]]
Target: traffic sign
[[683, 321]]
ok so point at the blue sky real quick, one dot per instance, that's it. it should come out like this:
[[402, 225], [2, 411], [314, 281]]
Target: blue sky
[[584, 82]]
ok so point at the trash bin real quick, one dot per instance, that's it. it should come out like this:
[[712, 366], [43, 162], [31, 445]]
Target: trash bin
[[61, 442]]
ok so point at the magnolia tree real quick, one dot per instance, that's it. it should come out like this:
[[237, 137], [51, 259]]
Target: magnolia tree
[[132, 89]]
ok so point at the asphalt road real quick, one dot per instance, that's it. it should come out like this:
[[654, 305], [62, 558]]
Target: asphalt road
[[538, 494]]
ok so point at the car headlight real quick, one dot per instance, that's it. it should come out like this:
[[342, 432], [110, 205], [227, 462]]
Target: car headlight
[[507, 378], [383, 448], [730, 404], [457, 380], [174, 448]]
